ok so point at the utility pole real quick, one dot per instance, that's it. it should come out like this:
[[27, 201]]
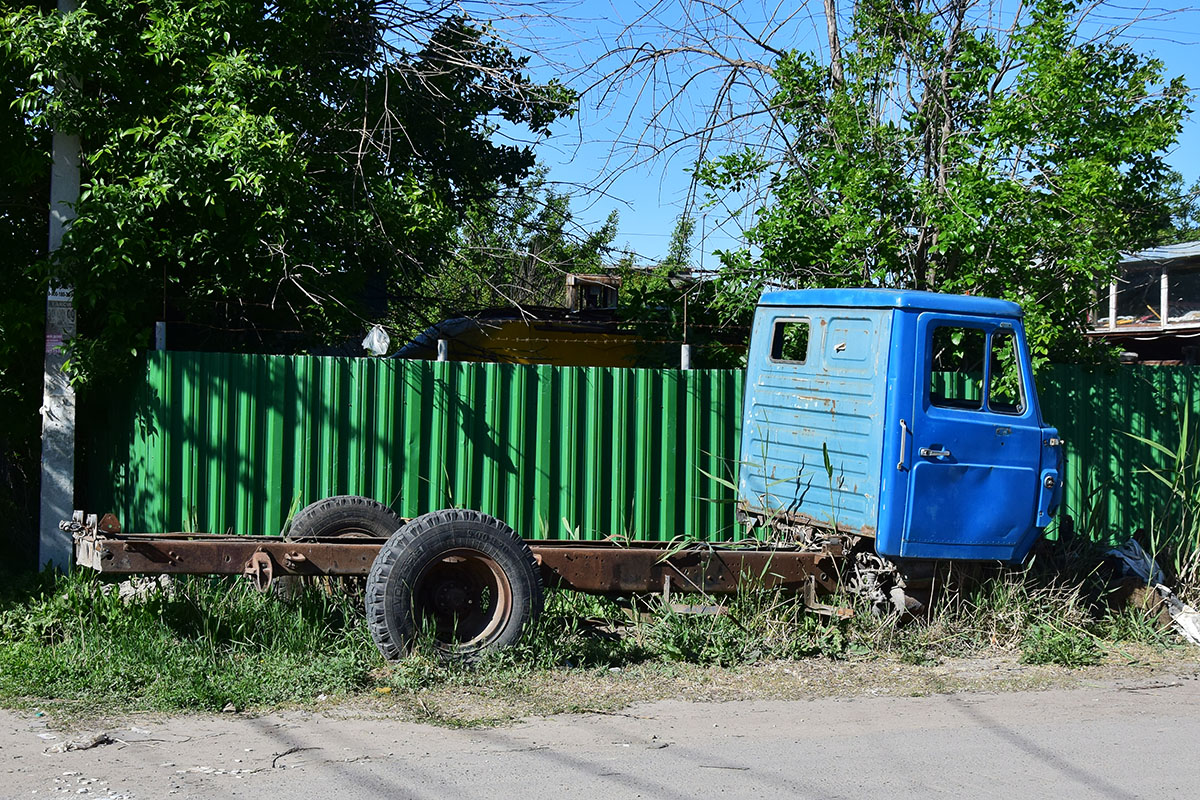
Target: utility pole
[[58, 396]]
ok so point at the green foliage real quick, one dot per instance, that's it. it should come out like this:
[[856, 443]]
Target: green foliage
[[954, 158], [201, 643], [578, 631], [24, 199], [1174, 530], [1183, 205], [1046, 643], [513, 248], [669, 305], [263, 177], [198, 644], [268, 174], [1137, 626], [753, 626]]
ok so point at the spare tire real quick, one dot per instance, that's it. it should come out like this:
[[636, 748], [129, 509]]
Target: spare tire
[[461, 577], [349, 516], [344, 515]]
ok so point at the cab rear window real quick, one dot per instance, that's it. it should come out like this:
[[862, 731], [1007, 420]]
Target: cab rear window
[[789, 341]]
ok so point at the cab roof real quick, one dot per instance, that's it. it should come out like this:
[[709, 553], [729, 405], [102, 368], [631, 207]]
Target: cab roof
[[892, 298]]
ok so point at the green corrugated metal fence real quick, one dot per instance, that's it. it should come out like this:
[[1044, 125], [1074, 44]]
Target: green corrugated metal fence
[[1094, 410], [217, 442]]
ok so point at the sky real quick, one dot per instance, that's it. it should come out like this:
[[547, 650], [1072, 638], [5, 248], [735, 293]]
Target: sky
[[593, 157]]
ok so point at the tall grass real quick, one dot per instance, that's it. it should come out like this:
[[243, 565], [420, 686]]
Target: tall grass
[[1174, 532], [205, 643]]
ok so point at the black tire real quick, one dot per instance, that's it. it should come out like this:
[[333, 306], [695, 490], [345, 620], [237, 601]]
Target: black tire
[[344, 515], [464, 577]]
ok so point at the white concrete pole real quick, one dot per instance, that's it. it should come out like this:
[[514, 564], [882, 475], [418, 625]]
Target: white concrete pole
[[1164, 297], [58, 397]]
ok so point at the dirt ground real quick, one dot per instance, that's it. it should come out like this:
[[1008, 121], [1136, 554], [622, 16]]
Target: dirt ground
[[737, 732], [612, 690]]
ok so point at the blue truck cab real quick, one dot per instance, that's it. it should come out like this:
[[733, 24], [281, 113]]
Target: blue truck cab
[[907, 418]]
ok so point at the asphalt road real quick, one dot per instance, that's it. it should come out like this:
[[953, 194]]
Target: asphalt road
[[1137, 739]]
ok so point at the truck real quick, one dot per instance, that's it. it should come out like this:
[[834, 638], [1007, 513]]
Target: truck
[[883, 432]]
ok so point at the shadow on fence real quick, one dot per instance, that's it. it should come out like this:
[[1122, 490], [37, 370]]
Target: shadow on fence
[[218, 442]]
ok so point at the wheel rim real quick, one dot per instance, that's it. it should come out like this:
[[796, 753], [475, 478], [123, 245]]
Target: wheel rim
[[465, 597]]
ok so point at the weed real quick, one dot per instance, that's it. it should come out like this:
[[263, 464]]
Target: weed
[[1068, 646], [1137, 626], [203, 643], [1174, 532], [209, 643], [1051, 611], [751, 626]]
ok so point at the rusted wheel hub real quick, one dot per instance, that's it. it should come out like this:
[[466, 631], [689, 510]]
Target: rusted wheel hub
[[465, 595]]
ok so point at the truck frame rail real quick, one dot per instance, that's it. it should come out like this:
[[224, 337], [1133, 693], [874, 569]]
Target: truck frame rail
[[602, 567]]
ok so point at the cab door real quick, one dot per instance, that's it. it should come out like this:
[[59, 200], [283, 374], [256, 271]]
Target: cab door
[[976, 442]]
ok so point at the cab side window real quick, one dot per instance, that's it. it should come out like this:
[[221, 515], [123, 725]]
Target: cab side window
[[956, 372], [964, 360], [1006, 392]]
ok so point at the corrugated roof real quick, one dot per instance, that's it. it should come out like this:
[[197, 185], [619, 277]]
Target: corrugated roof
[[1168, 252]]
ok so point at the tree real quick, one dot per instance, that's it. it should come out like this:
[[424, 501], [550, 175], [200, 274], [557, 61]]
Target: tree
[[264, 176], [270, 174], [670, 305], [931, 151], [514, 249], [1184, 209], [24, 200]]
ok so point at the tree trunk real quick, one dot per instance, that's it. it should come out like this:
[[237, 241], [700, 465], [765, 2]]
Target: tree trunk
[[836, 77]]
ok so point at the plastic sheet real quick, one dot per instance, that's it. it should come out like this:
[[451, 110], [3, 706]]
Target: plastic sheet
[[1138, 562]]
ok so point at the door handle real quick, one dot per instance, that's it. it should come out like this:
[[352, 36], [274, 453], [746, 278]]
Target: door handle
[[927, 453], [905, 431]]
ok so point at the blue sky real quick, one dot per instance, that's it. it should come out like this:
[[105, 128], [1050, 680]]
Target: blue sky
[[590, 155]]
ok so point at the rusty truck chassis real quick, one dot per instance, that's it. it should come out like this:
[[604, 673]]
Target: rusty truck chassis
[[593, 567]]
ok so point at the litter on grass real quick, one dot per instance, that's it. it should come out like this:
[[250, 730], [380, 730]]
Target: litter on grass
[[1137, 562]]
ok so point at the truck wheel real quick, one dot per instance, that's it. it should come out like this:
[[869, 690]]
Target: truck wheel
[[344, 515], [461, 577]]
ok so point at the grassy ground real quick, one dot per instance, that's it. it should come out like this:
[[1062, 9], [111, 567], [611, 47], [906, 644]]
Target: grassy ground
[[206, 644]]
